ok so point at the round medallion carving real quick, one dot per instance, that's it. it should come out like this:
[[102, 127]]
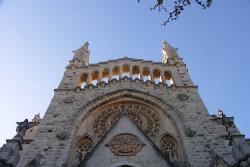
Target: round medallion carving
[[125, 144]]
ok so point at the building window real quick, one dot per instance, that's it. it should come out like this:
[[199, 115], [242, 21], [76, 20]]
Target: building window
[[168, 145]]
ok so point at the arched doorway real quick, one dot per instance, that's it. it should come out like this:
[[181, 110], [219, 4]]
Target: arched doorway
[[151, 117]]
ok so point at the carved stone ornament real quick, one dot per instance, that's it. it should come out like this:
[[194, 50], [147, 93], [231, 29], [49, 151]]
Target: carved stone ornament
[[189, 132], [62, 135], [68, 100], [144, 117], [84, 146], [168, 145], [22, 128], [182, 97], [125, 144]]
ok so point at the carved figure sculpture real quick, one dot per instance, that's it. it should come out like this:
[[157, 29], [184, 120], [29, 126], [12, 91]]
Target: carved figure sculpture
[[21, 128]]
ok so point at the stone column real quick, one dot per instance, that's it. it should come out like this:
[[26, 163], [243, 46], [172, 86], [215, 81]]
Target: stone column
[[110, 74], [163, 80], [99, 77], [120, 73], [141, 73], [151, 76], [89, 80], [130, 72]]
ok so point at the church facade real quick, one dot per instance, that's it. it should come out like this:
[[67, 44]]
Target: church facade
[[127, 113]]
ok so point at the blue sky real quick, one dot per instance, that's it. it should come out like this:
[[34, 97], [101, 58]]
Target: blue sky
[[37, 39]]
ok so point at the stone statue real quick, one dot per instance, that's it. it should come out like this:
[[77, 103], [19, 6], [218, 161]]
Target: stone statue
[[36, 119], [9, 153], [221, 114], [82, 54], [21, 128]]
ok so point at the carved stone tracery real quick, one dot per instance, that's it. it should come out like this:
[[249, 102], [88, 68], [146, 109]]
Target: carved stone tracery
[[104, 120], [144, 117], [125, 144], [168, 146], [84, 146]]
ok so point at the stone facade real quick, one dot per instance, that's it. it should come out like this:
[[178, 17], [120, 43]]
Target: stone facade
[[129, 112]]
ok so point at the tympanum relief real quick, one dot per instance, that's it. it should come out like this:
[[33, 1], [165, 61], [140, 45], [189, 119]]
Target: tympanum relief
[[125, 144]]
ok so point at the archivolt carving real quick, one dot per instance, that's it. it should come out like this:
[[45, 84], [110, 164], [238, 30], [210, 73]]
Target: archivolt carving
[[145, 117], [125, 144], [168, 146], [104, 120]]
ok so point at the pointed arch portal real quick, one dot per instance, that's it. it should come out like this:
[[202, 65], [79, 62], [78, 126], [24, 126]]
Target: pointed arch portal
[[152, 117]]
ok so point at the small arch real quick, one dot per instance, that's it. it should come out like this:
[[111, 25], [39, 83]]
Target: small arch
[[146, 74], [125, 70], [83, 80], [115, 72], [169, 146], [84, 145], [135, 72], [95, 76], [105, 75], [157, 76], [168, 77]]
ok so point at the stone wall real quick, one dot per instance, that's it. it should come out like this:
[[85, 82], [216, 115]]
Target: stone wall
[[182, 103]]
